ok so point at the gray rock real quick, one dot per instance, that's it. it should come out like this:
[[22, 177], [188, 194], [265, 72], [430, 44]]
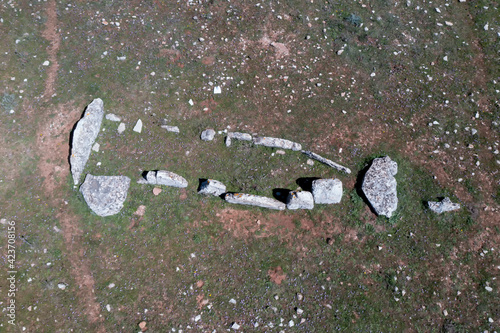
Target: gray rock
[[277, 143], [138, 126], [113, 117], [168, 178], [96, 147], [212, 187], [84, 135], [254, 200], [173, 129], [237, 136], [300, 200], [444, 206], [379, 186], [121, 128], [105, 195], [163, 177], [208, 135], [327, 191], [326, 161]]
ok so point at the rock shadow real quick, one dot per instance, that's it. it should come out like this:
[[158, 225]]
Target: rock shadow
[[281, 194], [71, 135], [359, 183], [305, 183]]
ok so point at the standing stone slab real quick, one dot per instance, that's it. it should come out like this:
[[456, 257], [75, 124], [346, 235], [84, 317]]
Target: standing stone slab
[[444, 206], [105, 195], [212, 187], [277, 143], [326, 161], [84, 135], [300, 200], [254, 200], [168, 178], [208, 135], [379, 186], [163, 177], [327, 191]]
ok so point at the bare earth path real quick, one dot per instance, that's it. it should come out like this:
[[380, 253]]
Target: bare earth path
[[53, 146]]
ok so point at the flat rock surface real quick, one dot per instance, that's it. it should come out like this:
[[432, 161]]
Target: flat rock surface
[[300, 200], [327, 191], [277, 143], [254, 200], [212, 187], [105, 195], [84, 136], [443, 206], [379, 186]]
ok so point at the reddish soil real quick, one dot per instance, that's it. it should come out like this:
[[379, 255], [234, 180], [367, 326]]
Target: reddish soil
[[51, 34], [276, 275]]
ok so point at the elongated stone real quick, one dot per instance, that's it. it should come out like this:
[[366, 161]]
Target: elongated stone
[[254, 200]]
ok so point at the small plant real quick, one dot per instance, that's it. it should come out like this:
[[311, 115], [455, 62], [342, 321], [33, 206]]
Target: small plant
[[8, 102], [354, 19]]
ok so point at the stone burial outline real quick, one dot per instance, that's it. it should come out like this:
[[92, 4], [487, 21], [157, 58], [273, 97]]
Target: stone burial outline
[[105, 195]]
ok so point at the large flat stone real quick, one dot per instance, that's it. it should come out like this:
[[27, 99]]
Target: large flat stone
[[379, 186], [254, 200], [327, 191], [84, 136], [105, 195]]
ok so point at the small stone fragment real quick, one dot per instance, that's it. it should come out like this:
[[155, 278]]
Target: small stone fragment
[[212, 187], [173, 129], [142, 326], [300, 200], [444, 206], [121, 128], [112, 117], [163, 177], [156, 190], [61, 286], [235, 326], [96, 147], [138, 126], [208, 135]]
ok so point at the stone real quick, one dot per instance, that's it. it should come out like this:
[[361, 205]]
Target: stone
[[444, 206], [212, 187], [310, 162], [138, 126], [96, 147], [156, 190], [254, 200], [168, 178], [163, 177], [326, 161], [327, 191], [235, 326], [112, 117], [84, 135], [121, 128], [208, 135], [237, 136], [105, 195], [173, 129], [61, 286], [379, 186], [277, 143], [300, 200]]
